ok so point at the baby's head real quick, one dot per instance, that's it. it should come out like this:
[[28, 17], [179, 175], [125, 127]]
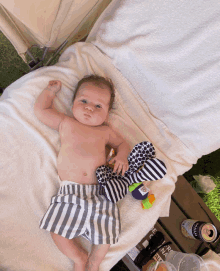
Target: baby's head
[[93, 99]]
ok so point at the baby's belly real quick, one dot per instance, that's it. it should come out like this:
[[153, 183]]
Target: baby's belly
[[79, 169]]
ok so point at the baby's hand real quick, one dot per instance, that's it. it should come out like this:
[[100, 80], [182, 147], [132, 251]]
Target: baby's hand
[[120, 164], [54, 86]]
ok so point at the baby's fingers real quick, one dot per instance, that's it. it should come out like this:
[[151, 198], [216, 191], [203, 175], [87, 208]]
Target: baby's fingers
[[54, 85], [116, 167], [120, 168], [54, 82], [125, 168]]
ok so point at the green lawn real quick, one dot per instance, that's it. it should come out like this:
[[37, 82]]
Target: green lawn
[[12, 67], [208, 165]]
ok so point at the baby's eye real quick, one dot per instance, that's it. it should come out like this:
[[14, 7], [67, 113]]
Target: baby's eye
[[84, 101], [98, 106]]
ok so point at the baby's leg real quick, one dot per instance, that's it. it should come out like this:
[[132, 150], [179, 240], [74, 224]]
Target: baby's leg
[[73, 250], [96, 256]]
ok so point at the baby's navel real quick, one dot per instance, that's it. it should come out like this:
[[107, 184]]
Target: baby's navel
[[84, 173]]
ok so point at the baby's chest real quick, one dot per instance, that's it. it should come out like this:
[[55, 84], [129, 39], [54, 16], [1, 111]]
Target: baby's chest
[[92, 143]]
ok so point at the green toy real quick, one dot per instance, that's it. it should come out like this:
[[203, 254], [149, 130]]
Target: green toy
[[141, 192]]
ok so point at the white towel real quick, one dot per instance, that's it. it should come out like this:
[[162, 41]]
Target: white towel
[[28, 151], [169, 52]]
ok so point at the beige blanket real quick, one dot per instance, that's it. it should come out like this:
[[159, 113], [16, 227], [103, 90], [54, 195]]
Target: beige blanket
[[28, 151]]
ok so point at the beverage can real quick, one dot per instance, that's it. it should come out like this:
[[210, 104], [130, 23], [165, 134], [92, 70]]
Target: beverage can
[[195, 229]]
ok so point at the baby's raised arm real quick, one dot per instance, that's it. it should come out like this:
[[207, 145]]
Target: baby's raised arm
[[43, 108]]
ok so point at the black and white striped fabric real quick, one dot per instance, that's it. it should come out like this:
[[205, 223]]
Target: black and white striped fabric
[[152, 170], [80, 210], [143, 166], [114, 187]]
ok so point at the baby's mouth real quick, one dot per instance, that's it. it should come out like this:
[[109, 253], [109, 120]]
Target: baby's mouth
[[87, 115]]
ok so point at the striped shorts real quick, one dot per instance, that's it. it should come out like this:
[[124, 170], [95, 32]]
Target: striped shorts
[[80, 210]]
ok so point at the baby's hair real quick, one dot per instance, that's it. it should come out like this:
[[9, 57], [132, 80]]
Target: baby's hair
[[97, 81]]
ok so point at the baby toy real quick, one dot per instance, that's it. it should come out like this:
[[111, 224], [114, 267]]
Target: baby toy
[[143, 166], [140, 192]]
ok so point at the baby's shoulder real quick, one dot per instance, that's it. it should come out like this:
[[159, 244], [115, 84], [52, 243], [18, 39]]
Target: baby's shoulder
[[66, 123]]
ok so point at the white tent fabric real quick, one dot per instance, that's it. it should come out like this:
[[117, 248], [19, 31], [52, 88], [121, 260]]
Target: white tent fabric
[[47, 23]]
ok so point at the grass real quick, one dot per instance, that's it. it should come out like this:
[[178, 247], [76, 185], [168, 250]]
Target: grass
[[13, 67], [212, 199], [208, 165]]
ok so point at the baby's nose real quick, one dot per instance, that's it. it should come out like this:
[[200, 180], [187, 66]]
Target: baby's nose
[[89, 107]]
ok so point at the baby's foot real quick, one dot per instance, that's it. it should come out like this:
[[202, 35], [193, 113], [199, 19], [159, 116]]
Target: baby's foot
[[54, 86]]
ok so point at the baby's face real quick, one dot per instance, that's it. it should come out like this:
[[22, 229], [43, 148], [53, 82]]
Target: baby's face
[[91, 104]]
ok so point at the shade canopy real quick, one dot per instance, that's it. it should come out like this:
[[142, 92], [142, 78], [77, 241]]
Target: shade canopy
[[47, 23]]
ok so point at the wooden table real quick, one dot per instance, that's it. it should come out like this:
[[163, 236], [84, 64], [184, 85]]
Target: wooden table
[[185, 204]]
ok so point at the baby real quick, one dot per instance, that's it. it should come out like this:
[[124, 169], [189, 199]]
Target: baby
[[79, 209]]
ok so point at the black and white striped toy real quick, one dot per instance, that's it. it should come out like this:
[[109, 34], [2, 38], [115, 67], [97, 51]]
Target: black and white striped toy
[[143, 166]]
